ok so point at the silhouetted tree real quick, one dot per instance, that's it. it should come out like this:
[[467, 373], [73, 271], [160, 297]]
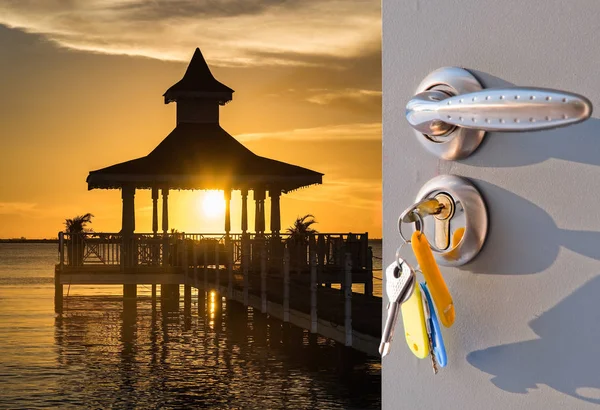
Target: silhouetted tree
[[75, 247], [302, 225], [299, 233], [78, 224], [301, 229]]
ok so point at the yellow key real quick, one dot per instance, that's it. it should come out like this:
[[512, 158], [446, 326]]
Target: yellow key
[[435, 281], [415, 328]]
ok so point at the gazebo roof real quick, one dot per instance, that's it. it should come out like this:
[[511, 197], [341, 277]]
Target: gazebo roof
[[198, 153], [198, 82], [203, 156]]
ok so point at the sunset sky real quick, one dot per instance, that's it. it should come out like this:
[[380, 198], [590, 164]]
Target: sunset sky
[[82, 86]]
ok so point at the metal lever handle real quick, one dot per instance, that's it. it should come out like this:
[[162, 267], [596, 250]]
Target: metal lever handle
[[437, 112]]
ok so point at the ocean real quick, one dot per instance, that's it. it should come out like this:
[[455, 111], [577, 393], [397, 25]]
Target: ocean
[[96, 355]]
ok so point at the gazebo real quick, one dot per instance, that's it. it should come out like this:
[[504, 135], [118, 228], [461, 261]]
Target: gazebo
[[200, 155]]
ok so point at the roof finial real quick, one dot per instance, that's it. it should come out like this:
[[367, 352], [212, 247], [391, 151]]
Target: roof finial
[[198, 82]]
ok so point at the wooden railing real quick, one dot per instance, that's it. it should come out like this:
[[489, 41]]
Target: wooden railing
[[202, 249]]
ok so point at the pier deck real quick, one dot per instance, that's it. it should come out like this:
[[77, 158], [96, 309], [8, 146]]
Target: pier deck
[[298, 293], [330, 305]]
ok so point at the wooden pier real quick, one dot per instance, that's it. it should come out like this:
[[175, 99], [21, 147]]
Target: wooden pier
[[287, 279]]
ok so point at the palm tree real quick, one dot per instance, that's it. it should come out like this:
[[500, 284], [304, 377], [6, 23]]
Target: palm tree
[[301, 229], [76, 227], [78, 224], [299, 233]]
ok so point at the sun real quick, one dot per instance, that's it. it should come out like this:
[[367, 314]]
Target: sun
[[212, 204]]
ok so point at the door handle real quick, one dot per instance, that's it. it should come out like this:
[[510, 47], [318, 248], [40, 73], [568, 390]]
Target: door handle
[[451, 101], [505, 109]]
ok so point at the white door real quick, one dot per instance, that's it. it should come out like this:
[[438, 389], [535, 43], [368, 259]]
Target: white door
[[527, 330]]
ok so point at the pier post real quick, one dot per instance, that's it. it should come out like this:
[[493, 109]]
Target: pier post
[[286, 284], [369, 282], [348, 299], [129, 243], [187, 287], [313, 289], [61, 250], [129, 291], [217, 268], [245, 262], [205, 265], [58, 293], [169, 297], [153, 293], [186, 265], [128, 333], [263, 279], [187, 299], [195, 263], [165, 254], [230, 269], [58, 287], [201, 302]]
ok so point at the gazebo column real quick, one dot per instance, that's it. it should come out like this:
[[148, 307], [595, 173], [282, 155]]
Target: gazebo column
[[244, 211], [259, 226], [276, 246], [169, 292], [155, 247], [259, 216], [154, 210], [227, 195], [165, 209], [244, 240], [275, 211], [127, 229]]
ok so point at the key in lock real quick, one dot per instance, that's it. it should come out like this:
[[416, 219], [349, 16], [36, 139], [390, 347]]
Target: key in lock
[[441, 207], [442, 221], [452, 212]]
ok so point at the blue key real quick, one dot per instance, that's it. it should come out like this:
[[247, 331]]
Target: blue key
[[436, 331]]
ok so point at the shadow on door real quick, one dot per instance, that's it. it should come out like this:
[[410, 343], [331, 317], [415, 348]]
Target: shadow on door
[[566, 356], [531, 241]]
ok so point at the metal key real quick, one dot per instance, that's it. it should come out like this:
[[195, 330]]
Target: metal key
[[428, 325], [400, 284]]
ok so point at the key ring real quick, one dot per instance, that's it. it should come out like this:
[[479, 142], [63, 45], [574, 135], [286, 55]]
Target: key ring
[[400, 260], [413, 215], [418, 225]]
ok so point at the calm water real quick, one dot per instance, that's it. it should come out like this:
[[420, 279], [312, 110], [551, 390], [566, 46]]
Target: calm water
[[222, 356]]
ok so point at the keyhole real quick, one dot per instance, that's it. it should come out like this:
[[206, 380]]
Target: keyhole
[[442, 221]]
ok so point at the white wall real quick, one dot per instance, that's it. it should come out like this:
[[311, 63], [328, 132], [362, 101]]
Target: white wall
[[527, 331]]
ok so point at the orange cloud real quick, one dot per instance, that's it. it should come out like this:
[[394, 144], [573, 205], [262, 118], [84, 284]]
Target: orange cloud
[[231, 33], [324, 97], [371, 131]]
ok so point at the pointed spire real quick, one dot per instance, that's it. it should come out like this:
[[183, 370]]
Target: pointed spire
[[199, 83]]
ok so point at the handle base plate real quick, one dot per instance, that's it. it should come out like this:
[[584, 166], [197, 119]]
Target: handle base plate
[[460, 142]]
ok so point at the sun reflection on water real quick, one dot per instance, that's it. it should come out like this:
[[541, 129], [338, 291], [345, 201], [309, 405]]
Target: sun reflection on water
[[102, 352], [212, 308]]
